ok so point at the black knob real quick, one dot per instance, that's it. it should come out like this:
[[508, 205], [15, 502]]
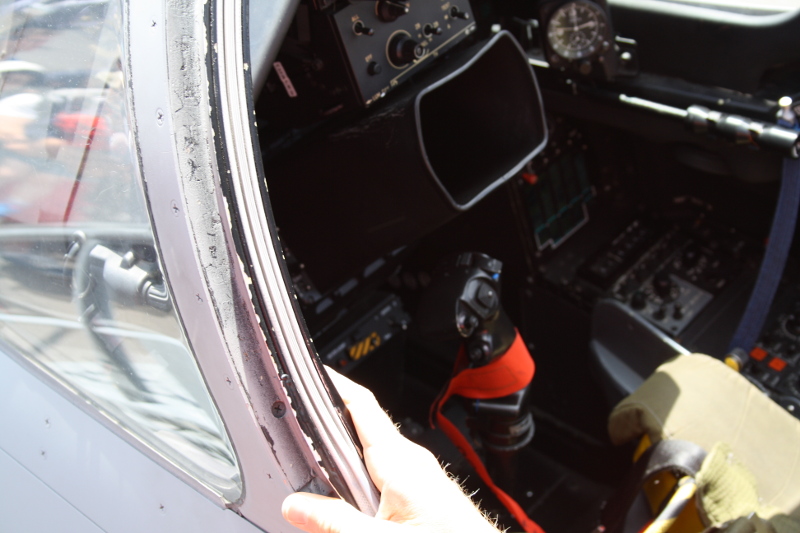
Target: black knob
[[404, 50], [359, 28], [677, 311], [662, 285], [373, 69], [660, 313], [792, 325], [487, 297], [430, 29], [458, 14], [690, 256], [390, 10], [639, 300]]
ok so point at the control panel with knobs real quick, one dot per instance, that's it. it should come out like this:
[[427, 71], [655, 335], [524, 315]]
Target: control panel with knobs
[[774, 363], [667, 276], [386, 41], [390, 10]]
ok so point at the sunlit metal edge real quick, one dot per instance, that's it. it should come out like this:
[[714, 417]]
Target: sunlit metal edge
[[704, 13], [657, 333], [174, 209], [288, 334], [157, 15]]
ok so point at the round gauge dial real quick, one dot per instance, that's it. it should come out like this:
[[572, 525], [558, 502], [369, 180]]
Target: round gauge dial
[[577, 30]]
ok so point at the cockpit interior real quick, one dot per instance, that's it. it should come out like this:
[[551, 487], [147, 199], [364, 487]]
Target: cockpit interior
[[555, 238], [599, 178]]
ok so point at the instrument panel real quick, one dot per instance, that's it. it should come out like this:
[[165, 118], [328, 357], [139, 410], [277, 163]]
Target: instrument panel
[[385, 42]]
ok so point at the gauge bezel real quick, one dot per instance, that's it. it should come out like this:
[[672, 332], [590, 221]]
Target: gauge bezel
[[599, 42]]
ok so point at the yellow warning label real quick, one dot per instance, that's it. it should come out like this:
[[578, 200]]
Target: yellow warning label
[[364, 346]]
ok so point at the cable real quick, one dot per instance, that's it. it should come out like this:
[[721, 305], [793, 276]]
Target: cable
[[769, 276]]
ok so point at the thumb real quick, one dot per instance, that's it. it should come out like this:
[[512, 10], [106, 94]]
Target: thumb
[[319, 514]]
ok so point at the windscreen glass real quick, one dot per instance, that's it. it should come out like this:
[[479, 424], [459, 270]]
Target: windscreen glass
[[82, 294]]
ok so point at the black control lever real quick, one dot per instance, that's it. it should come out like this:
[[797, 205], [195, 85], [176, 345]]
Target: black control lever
[[463, 303]]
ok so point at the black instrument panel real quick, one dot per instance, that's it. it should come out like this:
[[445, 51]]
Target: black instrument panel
[[386, 41]]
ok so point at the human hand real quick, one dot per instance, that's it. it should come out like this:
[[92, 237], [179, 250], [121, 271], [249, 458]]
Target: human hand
[[416, 494]]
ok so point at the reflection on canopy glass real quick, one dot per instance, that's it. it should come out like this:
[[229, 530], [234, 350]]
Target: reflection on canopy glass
[[81, 290]]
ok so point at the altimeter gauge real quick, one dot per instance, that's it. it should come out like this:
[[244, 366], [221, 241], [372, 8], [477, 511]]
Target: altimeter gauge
[[578, 30]]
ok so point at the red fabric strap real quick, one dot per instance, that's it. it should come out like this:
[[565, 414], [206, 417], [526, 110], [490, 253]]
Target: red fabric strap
[[506, 375]]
